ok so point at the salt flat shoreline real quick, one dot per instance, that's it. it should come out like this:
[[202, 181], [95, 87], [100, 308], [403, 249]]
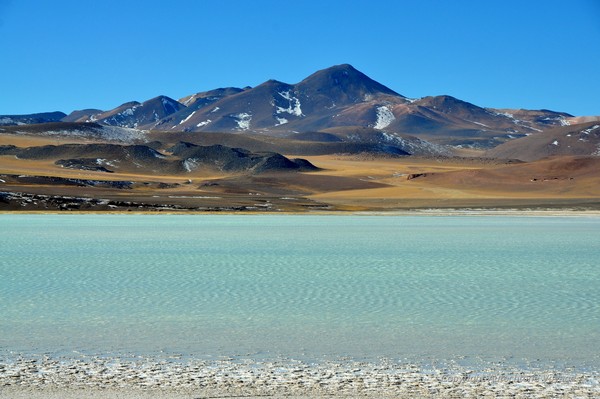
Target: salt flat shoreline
[[398, 212], [99, 377], [408, 388]]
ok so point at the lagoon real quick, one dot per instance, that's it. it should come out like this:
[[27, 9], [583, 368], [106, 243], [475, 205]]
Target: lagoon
[[468, 290], [302, 285]]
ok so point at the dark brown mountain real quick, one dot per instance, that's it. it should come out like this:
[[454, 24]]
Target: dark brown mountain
[[340, 98], [227, 159], [182, 158], [192, 104], [44, 117], [207, 97], [78, 130], [279, 108], [81, 115], [300, 144], [133, 114]]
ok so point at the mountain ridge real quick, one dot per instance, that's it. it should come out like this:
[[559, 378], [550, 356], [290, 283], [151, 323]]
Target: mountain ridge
[[339, 97]]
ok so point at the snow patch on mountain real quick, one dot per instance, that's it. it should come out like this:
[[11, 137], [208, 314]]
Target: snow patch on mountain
[[189, 100], [384, 117], [156, 154], [190, 164], [215, 109], [105, 133], [506, 114], [10, 121], [293, 107], [128, 111], [281, 121], [204, 123], [564, 122], [243, 120], [123, 134], [188, 118], [519, 122], [104, 162], [530, 127], [591, 129], [415, 145], [479, 123]]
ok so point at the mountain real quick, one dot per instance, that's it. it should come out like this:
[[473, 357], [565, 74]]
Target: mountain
[[83, 115], [580, 139], [183, 158], [337, 101], [280, 108], [132, 114], [78, 130], [226, 159], [342, 98], [8, 120], [201, 99]]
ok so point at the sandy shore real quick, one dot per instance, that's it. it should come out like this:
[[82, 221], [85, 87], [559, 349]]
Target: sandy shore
[[562, 212], [110, 377]]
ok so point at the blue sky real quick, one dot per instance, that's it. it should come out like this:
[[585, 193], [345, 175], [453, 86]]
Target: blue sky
[[66, 55]]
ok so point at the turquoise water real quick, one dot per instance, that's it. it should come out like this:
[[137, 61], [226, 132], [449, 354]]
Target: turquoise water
[[302, 286]]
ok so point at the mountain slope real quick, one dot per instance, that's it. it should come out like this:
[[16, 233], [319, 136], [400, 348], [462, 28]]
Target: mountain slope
[[133, 114], [81, 115], [581, 139], [77, 131]]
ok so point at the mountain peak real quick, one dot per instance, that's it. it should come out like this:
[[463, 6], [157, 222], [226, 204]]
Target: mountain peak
[[161, 98], [342, 67], [166, 104], [344, 83], [443, 101], [339, 72], [337, 97], [273, 83]]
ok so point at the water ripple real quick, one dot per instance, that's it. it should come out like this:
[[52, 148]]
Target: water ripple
[[352, 278]]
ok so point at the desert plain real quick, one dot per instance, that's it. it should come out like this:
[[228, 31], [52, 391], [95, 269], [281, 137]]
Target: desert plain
[[349, 182]]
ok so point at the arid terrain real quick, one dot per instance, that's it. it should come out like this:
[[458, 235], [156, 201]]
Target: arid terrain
[[336, 141], [38, 180]]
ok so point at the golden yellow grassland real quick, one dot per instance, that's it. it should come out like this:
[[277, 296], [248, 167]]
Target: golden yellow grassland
[[461, 183], [345, 182]]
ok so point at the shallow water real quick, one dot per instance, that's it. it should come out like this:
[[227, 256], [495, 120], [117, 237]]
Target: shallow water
[[428, 288]]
